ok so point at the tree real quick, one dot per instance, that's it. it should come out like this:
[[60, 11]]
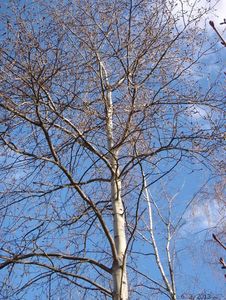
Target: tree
[[99, 102]]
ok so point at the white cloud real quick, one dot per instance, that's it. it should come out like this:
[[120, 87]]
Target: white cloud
[[217, 13], [198, 111], [203, 215], [220, 12]]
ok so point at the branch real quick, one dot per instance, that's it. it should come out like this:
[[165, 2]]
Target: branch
[[221, 260], [18, 258], [217, 32], [219, 241]]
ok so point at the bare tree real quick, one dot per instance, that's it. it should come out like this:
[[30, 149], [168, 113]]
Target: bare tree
[[98, 102]]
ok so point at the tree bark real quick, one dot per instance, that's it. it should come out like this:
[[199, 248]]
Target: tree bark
[[120, 285], [119, 273]]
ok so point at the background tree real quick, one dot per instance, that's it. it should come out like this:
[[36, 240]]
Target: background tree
[[100, 100]]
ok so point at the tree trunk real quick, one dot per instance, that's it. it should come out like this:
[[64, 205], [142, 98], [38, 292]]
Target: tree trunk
[[119, 273]]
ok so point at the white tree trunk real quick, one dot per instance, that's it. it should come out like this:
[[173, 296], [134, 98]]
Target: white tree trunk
[[119, 273], [170, 287]]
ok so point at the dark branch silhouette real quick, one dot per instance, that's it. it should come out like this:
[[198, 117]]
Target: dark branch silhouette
[[217, 32]]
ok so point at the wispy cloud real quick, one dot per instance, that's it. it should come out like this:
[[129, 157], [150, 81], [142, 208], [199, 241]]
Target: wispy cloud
[[219, 12], [203, 215]]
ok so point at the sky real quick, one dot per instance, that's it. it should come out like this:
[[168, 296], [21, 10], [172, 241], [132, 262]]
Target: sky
[[202, 217], [219, 14]]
